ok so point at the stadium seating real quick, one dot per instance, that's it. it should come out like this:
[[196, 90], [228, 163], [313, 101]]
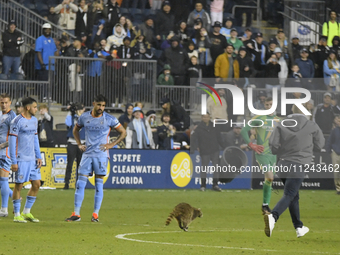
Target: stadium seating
[[42, 8]]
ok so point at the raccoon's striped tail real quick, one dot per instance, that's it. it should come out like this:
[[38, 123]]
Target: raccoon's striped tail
[[168, 220]]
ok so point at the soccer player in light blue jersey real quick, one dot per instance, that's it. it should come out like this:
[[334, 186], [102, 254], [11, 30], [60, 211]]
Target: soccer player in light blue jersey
[[25, 154], [97, 124], [5, 162]]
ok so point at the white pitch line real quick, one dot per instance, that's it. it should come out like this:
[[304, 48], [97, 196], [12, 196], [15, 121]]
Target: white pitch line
[[123, 237]]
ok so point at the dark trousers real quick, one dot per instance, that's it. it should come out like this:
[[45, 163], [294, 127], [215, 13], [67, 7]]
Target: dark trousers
[[205, 159], [73, 152], [290, 198]]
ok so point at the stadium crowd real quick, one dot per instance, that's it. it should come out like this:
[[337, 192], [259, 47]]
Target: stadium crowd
[[188, 41], [187, 44]]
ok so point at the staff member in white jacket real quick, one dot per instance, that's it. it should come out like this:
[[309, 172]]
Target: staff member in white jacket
[[283, 74], [68, 14]]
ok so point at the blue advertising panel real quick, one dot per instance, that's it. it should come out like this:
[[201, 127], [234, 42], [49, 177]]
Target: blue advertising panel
[[160, 169]]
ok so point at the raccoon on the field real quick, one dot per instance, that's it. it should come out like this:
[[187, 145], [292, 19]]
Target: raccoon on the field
[[184, 214]]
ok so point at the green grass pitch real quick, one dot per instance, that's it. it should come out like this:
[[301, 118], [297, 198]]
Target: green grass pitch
[[232, 224]]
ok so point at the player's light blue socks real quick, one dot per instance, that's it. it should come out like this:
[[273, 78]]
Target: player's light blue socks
[[98, 197], [16, 207], [5, 191], [79, 195], [29, 203]]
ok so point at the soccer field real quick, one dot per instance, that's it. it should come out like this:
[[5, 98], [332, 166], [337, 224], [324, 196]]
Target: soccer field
[[132, 222]]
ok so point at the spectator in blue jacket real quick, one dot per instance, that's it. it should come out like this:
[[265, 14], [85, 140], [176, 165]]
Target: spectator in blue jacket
[[331, 70], [333, 146], [306, 67]]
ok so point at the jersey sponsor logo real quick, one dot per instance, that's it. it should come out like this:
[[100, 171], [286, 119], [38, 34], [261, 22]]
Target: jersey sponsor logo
[[94, 127]]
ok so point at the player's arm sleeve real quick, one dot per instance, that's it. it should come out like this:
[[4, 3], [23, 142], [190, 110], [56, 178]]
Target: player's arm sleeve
[[37, 147], [274, 141], [12, 141], [115, 123], [244, 133], [80, 122]]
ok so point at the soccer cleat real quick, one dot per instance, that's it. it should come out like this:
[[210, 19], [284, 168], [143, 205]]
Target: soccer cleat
[[216, 188], [301, 231], [202, 189], [94, 217], [19, 219], [3, 213], [266, 209], [29, 217], [269, 223], [73, 217]]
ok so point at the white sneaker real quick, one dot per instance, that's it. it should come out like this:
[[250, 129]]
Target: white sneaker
[[3, 213], [301, 231], [269, 222]]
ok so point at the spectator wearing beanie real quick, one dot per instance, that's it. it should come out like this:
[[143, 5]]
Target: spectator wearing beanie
[[178, 59], [165, 21], [11, 41]]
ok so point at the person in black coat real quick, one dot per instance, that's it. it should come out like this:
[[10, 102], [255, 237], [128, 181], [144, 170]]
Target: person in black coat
[[177, 114], [167, 138], [127, 117], [45, 127], [82, 20], [258, 49], [272, 72], [165, 21], [11, 41], [178, 59], [28, 64], [246, 66], [208, 141], [112, 13]]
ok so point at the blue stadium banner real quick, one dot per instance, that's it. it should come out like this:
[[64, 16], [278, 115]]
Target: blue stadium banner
[[160, 169]]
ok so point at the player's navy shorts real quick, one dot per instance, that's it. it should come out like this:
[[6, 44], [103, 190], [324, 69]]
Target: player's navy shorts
[[5, 164], [89, 165], [27, 171]]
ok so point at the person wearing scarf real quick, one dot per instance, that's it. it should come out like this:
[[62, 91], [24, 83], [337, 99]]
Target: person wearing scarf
[[139, 135]]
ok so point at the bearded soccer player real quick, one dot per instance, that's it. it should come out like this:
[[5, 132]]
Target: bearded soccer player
[[97, 124], [26, 160], [264, 126], [5, 162]]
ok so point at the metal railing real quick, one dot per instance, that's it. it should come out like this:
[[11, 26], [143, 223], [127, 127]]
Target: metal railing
[[257, 7], [314, 10], [187, 96], [309, 15], [304, 39], [121, 81], [19, 89], [27, 20]]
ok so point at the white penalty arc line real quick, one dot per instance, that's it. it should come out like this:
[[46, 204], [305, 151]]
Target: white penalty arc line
[[124, 237]]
